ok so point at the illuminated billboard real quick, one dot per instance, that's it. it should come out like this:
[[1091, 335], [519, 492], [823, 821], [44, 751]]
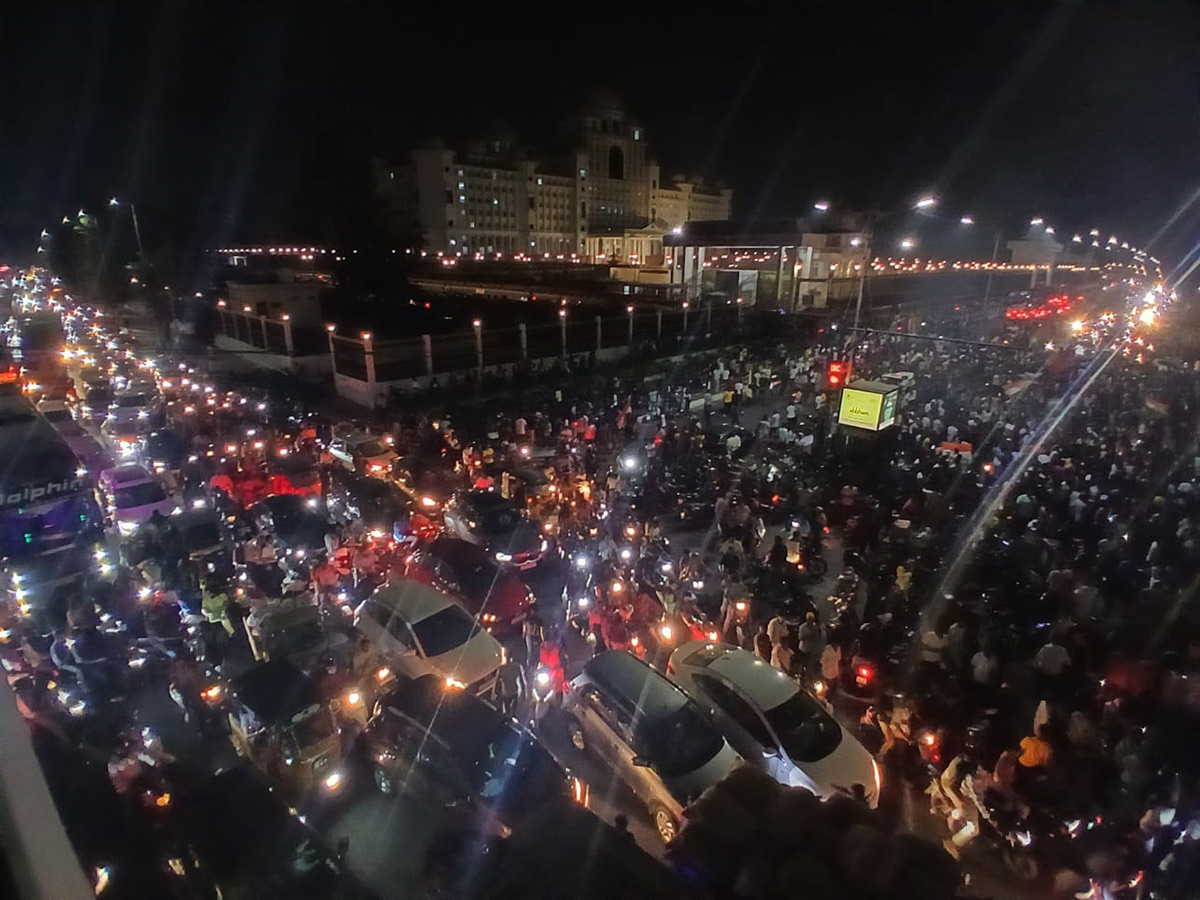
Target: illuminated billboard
[[870, 405]]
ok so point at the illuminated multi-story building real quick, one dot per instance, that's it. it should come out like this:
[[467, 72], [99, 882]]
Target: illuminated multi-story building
[[598, 199]]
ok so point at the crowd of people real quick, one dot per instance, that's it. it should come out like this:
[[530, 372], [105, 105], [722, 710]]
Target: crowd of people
[[1010, 619], [1019, 554]]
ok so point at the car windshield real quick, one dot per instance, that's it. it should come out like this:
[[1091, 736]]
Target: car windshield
[[444, 630], [314, 728], [498, 521], [477, 580], [677, 743], [807, 732], [296, 638], [98, 397], [372, 448], [57, 415], [131, 400], [138, 495], [286, 510]]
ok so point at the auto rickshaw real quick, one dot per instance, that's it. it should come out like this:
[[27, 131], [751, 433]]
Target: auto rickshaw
[[296, 634], [279, 723]]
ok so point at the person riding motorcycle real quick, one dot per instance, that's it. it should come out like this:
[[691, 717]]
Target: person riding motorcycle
[[735, 613], [692, 569]]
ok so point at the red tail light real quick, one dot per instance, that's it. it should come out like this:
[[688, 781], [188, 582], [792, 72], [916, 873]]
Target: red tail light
[[866, 673]]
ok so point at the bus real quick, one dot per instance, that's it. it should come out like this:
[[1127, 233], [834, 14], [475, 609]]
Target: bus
[[37, 339], [48, 511]]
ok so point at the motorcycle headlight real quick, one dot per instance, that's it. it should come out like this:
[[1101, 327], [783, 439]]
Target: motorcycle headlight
[[501, 556], [127, 527]]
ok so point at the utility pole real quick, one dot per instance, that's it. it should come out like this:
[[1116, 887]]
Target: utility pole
[[995, 254]]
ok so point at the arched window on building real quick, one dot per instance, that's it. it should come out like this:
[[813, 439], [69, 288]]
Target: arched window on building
[[616, 162]]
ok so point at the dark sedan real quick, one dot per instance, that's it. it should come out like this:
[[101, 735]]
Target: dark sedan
[[495, 595], [298, 522], [451, 746], [162, 450], [378, 504], [497, 525]]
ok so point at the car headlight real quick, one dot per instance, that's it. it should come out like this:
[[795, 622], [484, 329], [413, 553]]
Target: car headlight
[[428, 502], [501, 556]]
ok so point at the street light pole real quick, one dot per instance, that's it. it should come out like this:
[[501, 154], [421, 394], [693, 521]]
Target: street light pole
[[137, 231]]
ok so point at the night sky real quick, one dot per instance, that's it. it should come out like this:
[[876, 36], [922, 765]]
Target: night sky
[[256, 120]]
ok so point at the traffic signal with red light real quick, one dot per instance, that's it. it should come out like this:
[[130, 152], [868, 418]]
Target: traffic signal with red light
[[839, 374]]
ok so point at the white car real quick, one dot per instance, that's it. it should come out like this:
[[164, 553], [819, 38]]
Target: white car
[[131, 495], [55, 411], [135, 404], [419, 631], [770, 720], [367, 454]]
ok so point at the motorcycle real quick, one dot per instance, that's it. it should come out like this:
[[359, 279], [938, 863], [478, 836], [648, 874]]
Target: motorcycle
[[546, 692]]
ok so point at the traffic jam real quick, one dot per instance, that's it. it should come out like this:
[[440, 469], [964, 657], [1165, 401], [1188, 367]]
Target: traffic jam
[[892, 573]]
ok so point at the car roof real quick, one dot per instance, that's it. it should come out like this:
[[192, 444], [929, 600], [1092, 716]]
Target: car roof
[[410, 600], [458, 552], [765, 685], [634, 684], [275, 691], [461, 720], [485, 501], [373, 488], [120, 476]]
